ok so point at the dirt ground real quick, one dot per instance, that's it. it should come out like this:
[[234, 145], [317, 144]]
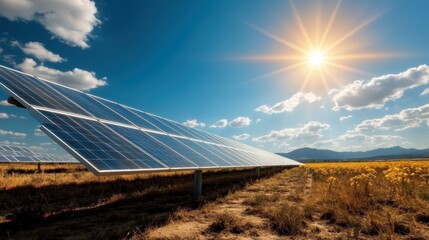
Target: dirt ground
[[288, 185]]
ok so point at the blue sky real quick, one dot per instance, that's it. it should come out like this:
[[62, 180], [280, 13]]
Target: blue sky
[[210, 64]]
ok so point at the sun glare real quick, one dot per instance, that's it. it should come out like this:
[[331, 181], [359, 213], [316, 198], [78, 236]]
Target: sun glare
[[316, 58], [321, 49]]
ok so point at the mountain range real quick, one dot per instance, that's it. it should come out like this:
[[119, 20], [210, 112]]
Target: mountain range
[[312, 154]]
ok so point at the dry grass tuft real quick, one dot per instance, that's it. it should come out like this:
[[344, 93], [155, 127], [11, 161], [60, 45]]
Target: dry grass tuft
[[226, 222], [286, 220]]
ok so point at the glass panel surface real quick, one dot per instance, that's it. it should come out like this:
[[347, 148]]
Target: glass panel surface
[[155, 148], [97, 144]]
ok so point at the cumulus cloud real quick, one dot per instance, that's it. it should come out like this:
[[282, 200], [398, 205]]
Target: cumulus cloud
[[6, 142], [39, 51], [16, 116], [12, 134], [38, 132], [343, 118], [4, 103], [258, 120], [374, 93], [326, 144], [407, 118], [4, 115], [240, 122], [194, 123], [310, 130], [71, 21], [9, 58], [425, 92], [368, 139], [76, 78], [241, 137], [220, 124], [290, 104]]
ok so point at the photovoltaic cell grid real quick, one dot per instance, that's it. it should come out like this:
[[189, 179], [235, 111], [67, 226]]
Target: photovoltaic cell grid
[[112, 138], [18, 154]]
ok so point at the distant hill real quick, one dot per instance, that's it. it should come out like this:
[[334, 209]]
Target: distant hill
[[312, 154]]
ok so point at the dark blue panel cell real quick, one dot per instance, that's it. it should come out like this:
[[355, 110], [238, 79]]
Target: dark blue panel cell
[[107, 150], [153, 147], [24, 159], [175, 129], [89, 104], [130, 116], [189, 132], [184, 150], [203, 149], [36, 92], [155, 122], [4, 158], [222, 153]]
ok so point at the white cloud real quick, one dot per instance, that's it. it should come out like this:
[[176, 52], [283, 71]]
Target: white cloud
[[38, 132], [240, 122], [16, 116], [325, 144], [241, 137], [283, 145], [36, 148], [310, 130], [258, 120], [6, 142], [194, 123], [46, 144], [4, 103], [364, 139], [77, 78], [71, 21], [290, 104], [407, 118], [9, 58], [220, 124], [4, 115], [12, 134], [376, 92], [425, 92], [343, 118], [39, 51]]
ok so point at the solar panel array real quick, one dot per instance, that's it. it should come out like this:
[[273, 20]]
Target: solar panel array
[[112, 138], [18, 154]]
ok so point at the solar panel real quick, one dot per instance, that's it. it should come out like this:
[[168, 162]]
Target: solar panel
[[110, 138], [18, 154]]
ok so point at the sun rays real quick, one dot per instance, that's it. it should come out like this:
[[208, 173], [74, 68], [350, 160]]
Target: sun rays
[[322, 50]]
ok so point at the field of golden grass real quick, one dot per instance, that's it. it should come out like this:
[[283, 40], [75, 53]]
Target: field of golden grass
[[355, 200]]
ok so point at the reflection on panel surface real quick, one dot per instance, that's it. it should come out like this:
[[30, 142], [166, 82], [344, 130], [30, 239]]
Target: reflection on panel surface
[[108, 137]]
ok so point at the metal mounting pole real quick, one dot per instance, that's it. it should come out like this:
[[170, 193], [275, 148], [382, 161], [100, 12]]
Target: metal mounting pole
[[198, 183], [258, 172]]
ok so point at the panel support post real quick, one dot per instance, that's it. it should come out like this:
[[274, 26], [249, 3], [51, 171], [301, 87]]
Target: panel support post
[[198, 183], [38, 167], [258, 172]]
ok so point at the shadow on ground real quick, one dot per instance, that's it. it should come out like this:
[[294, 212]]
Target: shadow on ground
[[109, 210]]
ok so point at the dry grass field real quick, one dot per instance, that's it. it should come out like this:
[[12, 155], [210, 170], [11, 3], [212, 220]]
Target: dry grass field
[[367, 200], [67, 201]]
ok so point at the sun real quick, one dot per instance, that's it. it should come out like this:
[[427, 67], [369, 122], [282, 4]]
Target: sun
[[316, 58], [321, 50]]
